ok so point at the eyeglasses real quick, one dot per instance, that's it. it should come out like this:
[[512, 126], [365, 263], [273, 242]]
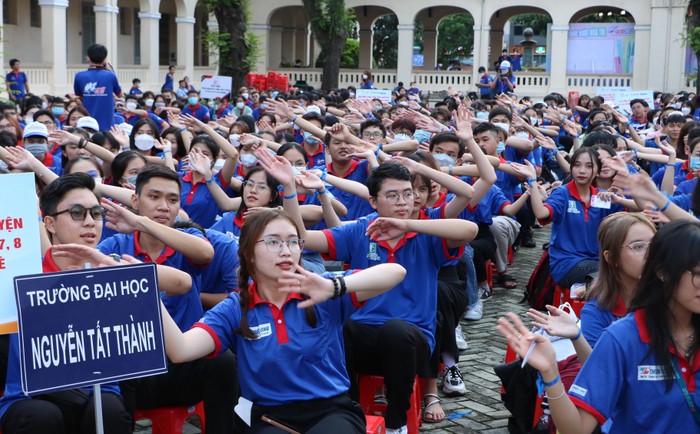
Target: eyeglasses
[[47, 123], [274, 245], [393, 198], [6, 127], [638, 247], [260, 186], [79, 212], [695, 276], [377, 135]]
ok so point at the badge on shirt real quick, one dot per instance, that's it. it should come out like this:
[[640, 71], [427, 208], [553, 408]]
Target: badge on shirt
[[652, 373], [597, 202], [372, 255], [573, 207], [262, 330]]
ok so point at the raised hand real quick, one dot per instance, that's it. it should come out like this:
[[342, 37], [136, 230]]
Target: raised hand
[[309, 181], [279, 167], [119, 218], [519, 338], [315, 287], [556, 323], [463, 123], [385, 228], [200, 163]]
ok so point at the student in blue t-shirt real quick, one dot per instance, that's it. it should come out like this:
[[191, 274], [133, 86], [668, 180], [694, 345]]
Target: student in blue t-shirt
[[397, 328], [149, 237], [486, 84], [649, 353], [194, 108], [16, 82], [285, 325], [97, 87]]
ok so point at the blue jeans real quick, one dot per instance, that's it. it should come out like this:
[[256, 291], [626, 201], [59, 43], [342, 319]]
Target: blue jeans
[[472, 289]]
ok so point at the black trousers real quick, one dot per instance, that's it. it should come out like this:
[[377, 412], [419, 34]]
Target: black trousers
[[213, 381], [337, 415], [484, 246], [36, 416], [396, 350]]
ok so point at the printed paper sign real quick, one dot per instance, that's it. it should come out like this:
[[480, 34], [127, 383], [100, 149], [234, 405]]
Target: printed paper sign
[[384, 95], [217, 86]]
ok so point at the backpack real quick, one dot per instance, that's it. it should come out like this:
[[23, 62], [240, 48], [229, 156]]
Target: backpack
[[539, 290]]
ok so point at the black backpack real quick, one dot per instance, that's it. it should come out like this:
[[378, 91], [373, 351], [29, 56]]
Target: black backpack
[[539, 290]]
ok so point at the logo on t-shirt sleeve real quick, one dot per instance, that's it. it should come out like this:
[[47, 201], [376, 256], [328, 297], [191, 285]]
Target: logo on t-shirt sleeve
[[92, 89]]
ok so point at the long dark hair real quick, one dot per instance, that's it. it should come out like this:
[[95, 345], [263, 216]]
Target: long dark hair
[[271, 181], [659, 284], [251, 232]]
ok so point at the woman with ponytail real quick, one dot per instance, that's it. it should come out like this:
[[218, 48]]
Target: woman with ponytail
[[286, 327]]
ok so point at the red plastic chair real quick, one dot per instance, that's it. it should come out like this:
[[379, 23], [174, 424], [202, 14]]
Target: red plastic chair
[[375, 424], [489, 273], [370, 383], [171, 420]]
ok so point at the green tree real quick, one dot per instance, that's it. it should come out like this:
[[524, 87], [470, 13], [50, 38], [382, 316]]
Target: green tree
[[455, 37], [350, 57], [537, 22], [385, 41], [692, 37], [237, 47], [330, 25]]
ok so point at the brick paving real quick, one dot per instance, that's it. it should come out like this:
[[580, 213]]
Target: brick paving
[[481, 410]]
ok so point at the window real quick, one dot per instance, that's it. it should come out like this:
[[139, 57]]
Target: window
[[34, 13], [125, 21], [9, 12]]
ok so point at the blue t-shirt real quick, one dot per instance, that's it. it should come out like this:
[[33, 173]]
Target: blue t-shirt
[[229, 225], [168, 82], [686, 187], [486, 92], [17, 84], [595, 320], [680, 174], [197, 201], [357, 206], [502, 86], [290, 361], [575, 230], [97, 87], [199, 111], [622, 383], [221, 276]]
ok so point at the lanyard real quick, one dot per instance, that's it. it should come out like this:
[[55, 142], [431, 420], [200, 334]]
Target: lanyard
[[688, 399]]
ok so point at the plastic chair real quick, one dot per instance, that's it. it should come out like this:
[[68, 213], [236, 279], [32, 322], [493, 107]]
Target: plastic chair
[[171, 420], [489, 273], [375, 424], [369, 383]]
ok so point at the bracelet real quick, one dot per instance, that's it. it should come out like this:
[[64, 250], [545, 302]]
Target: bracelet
[[291, 196], [183, 129], [449, 171], [323, 175], [82, 143], [336, 288], [671, 165], [577, 336], [531, 181], [668, 203], [553, 382], [295, 118], [324, 191], [210, 180], [167, 150], [343, 288], [563, 392]]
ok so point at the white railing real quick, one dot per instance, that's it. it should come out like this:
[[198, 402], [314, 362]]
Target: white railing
[[588, 83], [436, 81]]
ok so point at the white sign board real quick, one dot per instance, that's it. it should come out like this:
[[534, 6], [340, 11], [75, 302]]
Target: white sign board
[[216, 87], [370, 94], [622, 98]]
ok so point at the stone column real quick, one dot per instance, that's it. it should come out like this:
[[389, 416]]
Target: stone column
[[558, 49], [366, 43], [150, 49], [262, 31], [640, 68], [404, 67], [53, 44], [300, 45], [185, 45], [496, 46], [430, 46], [106, 30]]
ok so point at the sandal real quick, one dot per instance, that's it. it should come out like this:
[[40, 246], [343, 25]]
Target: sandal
[[429, 416], [507, 281]]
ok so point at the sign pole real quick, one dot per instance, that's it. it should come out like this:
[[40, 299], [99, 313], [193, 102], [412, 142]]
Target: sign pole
[[97, 396]]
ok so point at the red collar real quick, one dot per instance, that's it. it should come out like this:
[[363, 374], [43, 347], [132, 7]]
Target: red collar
[[686, 167], [165, 254], [253, 289], [321, 149], [238, 221], [239, 170], [402, 241], [187, 177], [48, 265], [620, 308], [441, 200], [195, 107], [48, 159], [353, 166], [573, 191]]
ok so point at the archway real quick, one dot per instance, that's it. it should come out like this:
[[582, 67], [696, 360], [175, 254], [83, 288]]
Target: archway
[[290, 39]]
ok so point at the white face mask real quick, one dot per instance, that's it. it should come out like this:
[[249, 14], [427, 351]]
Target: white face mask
[[364, 76], [482, 115], [234, 139], [245, 95], [534, 121], [219, 164], [149, 102], [131, 105], [504, 127], [248, 160], [444, 160], [401, 137], [352, 94], [144, 142], [160, 104], [240, 105], [685, 111], [297, 170], [522, 135]]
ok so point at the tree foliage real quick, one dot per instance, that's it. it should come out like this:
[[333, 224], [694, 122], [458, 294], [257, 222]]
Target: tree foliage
[[537, 22], [455, 37], [330, 24], [692, 36], [385, 41]]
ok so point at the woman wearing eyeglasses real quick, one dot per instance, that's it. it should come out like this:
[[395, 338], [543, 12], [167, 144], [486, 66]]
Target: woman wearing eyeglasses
[[642, 374], [285, 326]]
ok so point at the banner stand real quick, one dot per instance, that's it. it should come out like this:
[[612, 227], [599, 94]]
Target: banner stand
[[97, 396]]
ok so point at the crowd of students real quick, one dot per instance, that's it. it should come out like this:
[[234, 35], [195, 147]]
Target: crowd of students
[[244, 201]]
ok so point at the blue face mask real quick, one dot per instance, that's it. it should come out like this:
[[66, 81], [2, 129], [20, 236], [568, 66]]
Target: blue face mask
[[193, 100], [501, 147], [57, 110], [309, 138], [482, 115], [694, 163], [421, 136]]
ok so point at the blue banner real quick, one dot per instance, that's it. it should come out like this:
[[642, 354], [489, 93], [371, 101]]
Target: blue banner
[[86, 327]]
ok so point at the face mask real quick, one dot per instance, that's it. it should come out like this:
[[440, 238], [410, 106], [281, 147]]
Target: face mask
[[377, 107], [144, 142], [522, 135], [131, 105], [240, 105], [504, 127], [149, 102], [29, 117], [37, 149], [694, 163], [444, 160], [310, 139], [245, 95], [364, 76], [160, 104], [219, 164], [234, 139], [401, 137], [210, 104], [421, 136], [534, 121], [57, 110], [482, 115], [685, 111], [131, 179], [500, 147], [248, 160], [3, 165], [264, 106], [193, 100], [352, 94], [297, 170]]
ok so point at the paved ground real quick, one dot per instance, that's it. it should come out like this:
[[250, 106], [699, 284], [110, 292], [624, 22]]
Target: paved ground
[[481, 411]]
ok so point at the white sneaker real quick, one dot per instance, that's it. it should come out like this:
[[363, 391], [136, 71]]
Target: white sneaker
[[459, 337], [475, 312], [402, 430], [453, 385]]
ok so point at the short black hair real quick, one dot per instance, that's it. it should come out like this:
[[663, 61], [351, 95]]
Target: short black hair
[[643, 102], [97, 53], [151, 172], [448, 137], [209, 143], [57, 190], [500, 111], [373, 123], [293, 145], [484, 127], [120, 163], [13, 62], [312, 116], [384, 172]]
